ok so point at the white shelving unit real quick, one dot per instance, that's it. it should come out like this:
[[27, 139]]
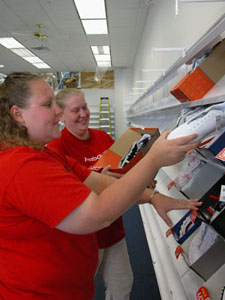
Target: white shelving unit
[[175, 279]]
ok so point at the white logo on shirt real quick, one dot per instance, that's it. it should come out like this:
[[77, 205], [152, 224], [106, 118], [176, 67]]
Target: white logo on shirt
[[93, 158]]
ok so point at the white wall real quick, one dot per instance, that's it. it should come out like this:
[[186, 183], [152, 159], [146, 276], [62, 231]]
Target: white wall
[[123, 79], [93, 96], [166, 29]]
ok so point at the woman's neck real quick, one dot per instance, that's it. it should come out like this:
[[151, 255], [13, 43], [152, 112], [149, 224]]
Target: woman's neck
[[84, 136]]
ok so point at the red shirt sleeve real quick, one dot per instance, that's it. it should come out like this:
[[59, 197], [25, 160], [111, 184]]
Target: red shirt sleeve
[[47, 190], [81, 171]]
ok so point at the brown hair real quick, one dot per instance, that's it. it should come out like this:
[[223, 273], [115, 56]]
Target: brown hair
[[15, 90], [62, 95]]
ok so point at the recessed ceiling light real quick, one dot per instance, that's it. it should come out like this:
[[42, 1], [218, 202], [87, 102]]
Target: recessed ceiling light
[[106, 50], [100, 50], [95, 49], [95, 26], [10, 43], [102, 57], [1, 66], [22, 52], [41, 65], [91, 9], [104, 64], [33, 59]]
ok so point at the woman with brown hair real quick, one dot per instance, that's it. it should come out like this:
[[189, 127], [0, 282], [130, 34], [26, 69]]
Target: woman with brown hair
[[50, 205]]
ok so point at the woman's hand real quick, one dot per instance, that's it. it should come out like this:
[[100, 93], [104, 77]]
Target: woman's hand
[[168, 152], [106, 171], [163, 204]]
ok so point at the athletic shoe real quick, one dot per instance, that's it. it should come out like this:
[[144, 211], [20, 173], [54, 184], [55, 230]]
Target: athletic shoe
[[202, 124]]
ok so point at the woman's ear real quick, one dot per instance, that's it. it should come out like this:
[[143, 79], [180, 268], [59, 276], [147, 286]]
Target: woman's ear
[[16, 113]]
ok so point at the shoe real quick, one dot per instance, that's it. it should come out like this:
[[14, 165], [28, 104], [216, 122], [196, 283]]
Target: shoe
[[202, 124], [134, 150]]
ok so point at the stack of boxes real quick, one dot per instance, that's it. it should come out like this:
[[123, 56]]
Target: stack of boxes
[[212, 215]]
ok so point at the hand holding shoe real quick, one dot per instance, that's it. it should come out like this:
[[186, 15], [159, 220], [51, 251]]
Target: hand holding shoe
[[166, 152]]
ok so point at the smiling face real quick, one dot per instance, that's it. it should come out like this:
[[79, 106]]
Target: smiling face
[[76, 115], [41, 114]]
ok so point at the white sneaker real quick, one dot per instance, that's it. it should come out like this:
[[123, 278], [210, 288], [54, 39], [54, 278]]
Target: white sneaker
[[202, 124]]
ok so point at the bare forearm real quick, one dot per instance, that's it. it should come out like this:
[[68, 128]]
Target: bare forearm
[[128, 190]]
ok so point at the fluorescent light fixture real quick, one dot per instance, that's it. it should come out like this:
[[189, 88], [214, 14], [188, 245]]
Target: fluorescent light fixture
[[91, 9], [23, 52], [33, 59], [1, 66], [145, 81], [106, 50], [10, 43], [102, 64], [100, 50], [95, 49], [141, 88], [41, 65], [102, 57], [95, 26]]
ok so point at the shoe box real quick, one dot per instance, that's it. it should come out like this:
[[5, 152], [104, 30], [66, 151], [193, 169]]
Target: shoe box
[[204, 254], [212, 210], [196, 84], [185, 226], [210, 261], [214, 147], [193, 86], [121, 147]]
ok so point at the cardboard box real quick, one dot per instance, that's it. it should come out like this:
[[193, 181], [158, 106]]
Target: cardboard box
[[193, 86], [214, 65], [207, 264], [213, 148], [122, 145], [218, 221], [211, 203], [204, 254], [196, 84], [185, 227]]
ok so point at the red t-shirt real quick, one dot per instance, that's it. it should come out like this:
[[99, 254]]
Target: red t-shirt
[[37, 191], [88, 152]]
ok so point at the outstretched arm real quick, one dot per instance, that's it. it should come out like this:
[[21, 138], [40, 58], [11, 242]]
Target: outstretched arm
[[110, 200]]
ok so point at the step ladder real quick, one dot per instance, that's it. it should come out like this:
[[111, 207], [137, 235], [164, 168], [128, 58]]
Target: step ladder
[[104, 115]]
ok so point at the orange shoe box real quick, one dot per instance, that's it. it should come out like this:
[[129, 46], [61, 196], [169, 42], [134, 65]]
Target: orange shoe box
[[193, 86], [119, 149]]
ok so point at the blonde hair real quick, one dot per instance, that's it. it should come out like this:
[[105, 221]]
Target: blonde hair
[[63, 96], [15, 90]]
